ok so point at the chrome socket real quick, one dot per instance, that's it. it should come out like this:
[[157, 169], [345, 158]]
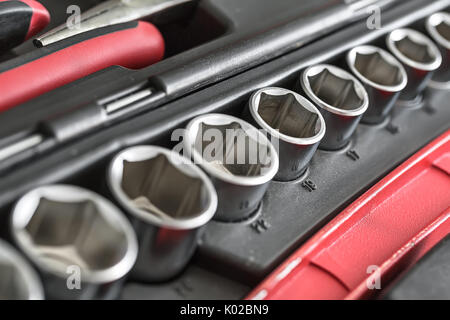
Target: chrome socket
[[294, 122], [18, 280], [341, 99], [383, 76], [420, 57], [80, 242], [438, 27], [239, 158], [169, 199]]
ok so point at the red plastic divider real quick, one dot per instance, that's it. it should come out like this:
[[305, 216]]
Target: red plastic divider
[[381, 234]]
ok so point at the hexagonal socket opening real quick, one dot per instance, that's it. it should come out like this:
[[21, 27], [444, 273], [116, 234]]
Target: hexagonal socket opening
[[414, 50], [287, 115], [376, 69], [157, 186], [335, 91], [443, 28], [230, 149], [74, 233], [12, 282]]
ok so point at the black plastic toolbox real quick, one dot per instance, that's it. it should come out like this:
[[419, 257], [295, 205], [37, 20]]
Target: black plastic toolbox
[[79, 137]]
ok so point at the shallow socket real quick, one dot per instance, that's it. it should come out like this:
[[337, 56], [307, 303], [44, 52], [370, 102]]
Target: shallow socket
[[239, 158], [383, 77], [341, 99], [231, 149], [282, 111], [59, 226], [420, 56], [169, 199], [438, 25], [414, 49], [335, 90], [294, 122], [227, 152], [161, 187], [378, 68]]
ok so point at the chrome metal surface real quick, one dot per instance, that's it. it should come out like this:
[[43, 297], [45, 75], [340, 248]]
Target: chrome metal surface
[[18, 280], [341, 99], [294, 122], [438, 27], [420, 57], [170, 199], [68, 230], [383, 76], [21, 145], [240, 160], [108, 13]]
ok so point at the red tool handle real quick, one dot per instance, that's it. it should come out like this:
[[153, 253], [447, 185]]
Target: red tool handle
[[132, 45], [389, 227], [20, 20], [39, 19]]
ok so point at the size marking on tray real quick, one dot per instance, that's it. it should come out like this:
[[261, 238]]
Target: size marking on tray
[[260, 225], [429, 110], [309, 185], [392, 128], [352, 154], [183, 289]]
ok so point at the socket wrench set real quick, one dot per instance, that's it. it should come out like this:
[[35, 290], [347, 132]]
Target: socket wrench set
[[197, 176]]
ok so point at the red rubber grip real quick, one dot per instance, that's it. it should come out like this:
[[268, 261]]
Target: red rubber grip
[[391, 227], [39, 20], [40, 17], [132, 48]]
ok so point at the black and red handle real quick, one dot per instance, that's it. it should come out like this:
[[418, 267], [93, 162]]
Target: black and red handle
[[19, 21], [132, 45]]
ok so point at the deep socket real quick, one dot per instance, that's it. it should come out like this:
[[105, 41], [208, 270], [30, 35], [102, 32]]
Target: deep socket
[[82, 245], [383, 76], [239, 158], [169, 199], [341, 99], [294, 122], [420, 57]]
